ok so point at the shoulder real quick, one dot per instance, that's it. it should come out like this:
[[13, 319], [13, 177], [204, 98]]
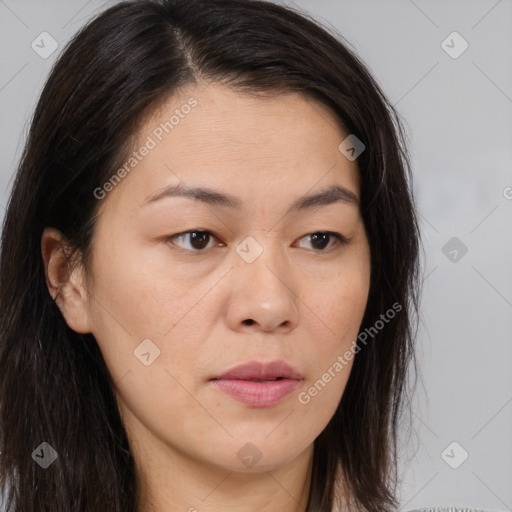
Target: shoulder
[[449, 509]]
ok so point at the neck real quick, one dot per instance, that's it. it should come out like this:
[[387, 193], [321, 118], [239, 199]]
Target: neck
[[170, 481]]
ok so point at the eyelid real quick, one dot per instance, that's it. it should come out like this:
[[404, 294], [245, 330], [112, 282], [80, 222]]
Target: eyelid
[[341, 240], [207, 231]]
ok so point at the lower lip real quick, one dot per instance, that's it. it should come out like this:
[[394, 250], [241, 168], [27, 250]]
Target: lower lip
[[257, 394]]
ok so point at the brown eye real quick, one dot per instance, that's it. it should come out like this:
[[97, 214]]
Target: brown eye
[[198, 239], [321, 239]]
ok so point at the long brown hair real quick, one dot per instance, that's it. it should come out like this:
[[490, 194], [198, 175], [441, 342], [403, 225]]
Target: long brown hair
[[54, 384]]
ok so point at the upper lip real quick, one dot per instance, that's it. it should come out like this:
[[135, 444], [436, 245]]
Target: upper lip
[[261, 371]]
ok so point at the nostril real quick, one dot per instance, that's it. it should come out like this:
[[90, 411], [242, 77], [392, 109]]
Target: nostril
[[249, 321]]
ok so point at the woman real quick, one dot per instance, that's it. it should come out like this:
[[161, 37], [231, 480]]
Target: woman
[[209, 271]]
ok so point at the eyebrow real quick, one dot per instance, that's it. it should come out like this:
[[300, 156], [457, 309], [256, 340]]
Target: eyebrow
[[328, 196]]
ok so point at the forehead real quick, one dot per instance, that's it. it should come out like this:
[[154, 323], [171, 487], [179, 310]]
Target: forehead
[[214, 136], [229, 120]]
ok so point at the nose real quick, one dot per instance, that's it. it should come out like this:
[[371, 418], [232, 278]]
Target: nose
[[263, 295]]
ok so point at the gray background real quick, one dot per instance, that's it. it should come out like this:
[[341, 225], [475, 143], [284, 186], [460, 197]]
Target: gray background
[[458, 114]]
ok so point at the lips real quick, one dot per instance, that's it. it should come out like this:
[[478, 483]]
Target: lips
[[261, 372], [258, 384]]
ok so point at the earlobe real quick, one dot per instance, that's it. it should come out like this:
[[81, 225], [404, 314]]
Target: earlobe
[[65, 281]]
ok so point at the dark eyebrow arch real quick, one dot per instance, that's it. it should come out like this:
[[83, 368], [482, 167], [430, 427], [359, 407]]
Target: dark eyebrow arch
[[330, 195]]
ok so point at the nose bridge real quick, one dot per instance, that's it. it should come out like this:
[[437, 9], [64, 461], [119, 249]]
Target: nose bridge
[[263, 258], [262, 289]]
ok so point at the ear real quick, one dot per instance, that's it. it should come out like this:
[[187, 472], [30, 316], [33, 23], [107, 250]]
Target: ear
[[65, 281]]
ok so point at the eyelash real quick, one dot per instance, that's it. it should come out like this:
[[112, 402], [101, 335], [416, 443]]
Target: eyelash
[[341, 240]]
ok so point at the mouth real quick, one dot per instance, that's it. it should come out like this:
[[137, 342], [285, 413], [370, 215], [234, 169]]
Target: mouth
[[258, 384], [264, 380], [255, 371]]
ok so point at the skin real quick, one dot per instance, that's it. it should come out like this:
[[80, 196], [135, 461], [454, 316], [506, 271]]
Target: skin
[[306, 300]]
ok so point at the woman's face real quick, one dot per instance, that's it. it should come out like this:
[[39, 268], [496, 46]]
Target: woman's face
[[173, 309]]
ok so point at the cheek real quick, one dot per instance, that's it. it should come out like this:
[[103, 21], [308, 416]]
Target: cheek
[[135, 300], [130, 290], [339, 308], [331, 354], [340, 303]]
